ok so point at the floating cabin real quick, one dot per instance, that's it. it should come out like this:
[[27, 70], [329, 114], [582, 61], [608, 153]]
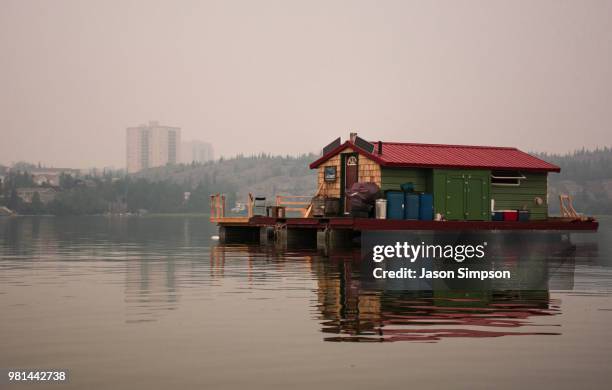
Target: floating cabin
[[467, 182], [467, 185]]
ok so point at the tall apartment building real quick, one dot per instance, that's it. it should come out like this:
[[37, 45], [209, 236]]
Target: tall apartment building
[[197, 151], [152, 145]]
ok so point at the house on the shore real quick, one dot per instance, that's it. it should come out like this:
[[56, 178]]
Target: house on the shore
[[46, 194], [51, 176], [467, 182]]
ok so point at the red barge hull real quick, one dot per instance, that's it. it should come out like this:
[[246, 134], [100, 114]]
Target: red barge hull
[[365, 224]]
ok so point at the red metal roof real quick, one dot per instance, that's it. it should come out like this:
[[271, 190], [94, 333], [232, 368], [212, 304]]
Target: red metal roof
[[396, 154]]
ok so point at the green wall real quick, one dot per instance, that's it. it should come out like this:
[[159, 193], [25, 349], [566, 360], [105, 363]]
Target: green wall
[[518, 198], [392, 178], [506, 197]]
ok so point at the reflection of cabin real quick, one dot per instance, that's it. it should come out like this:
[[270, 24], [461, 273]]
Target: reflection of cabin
[[466, 181]]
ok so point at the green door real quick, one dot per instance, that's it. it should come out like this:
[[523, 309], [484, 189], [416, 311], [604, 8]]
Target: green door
[[462, 194], [455, 197], [476, 205]]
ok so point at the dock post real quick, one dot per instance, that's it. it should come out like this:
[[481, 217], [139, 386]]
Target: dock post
[[222, 233], [265, 233], [322, 238], [280, 235], [334, 238]]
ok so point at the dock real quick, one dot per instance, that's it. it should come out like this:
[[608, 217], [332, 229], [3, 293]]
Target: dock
[[344, 231]]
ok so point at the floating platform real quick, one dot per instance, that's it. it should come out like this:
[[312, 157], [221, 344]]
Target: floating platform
[[365, 224], [336, 232]]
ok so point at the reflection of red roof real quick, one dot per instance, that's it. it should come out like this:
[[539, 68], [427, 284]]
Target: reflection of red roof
[[396, 154]]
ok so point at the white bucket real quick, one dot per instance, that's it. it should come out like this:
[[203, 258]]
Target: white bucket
[[381, 208]]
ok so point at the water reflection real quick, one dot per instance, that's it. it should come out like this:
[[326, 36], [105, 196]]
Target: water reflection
[[150, 288], [350, 312], [158, 262]]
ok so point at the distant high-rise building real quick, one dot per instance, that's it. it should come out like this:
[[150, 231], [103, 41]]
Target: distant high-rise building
[[197, 151], [152, 145]]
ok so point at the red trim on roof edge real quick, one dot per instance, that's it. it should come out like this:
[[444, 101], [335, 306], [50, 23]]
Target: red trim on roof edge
[[340, 148]]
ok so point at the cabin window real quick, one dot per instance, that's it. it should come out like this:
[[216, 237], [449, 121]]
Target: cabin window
[[506, 178], [329, 174]]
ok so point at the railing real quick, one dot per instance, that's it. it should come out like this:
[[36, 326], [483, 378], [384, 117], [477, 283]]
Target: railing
[[291, 203], [567, 207], [217, 209]]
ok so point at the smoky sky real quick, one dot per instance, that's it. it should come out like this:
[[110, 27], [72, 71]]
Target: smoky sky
[[287, 77]]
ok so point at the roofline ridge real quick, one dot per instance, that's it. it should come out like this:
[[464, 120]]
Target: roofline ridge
[[450, 145]]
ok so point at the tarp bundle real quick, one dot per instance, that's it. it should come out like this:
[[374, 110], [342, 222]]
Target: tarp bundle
[[362, 197]]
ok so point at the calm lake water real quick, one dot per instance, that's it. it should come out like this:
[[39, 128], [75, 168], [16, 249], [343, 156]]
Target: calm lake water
[[148, 303]]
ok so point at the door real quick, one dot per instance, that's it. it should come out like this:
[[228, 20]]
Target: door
[[455, 197], [351, 176], [476, 205], [462, 195]]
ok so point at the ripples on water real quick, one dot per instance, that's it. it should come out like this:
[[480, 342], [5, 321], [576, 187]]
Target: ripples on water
[[152, 267]]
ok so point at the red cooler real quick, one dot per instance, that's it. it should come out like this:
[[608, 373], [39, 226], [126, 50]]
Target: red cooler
[[510, 215]]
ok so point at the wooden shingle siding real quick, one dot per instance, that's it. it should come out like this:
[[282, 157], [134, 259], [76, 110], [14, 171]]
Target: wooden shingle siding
[[369, 171], [523, 196], [392, 178], [330, 189]]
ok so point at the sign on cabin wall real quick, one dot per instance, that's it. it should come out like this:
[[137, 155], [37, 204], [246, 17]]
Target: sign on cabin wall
[[330, 174]]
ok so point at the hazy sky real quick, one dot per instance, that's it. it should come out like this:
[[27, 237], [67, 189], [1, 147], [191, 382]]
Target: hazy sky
[[289, 76]]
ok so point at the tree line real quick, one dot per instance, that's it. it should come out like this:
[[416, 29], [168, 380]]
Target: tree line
[[587, 175], [99, 195]]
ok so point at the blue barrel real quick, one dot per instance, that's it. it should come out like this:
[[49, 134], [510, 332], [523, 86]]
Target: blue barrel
[[395, 205], [426, 207], [411, 205]]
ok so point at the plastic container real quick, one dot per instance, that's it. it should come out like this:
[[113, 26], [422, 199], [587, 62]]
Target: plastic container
[[426, 210], [510, 215], [395, 205], [407, 187], [523, 215], [381, 208], [411, 206], [497, 216]]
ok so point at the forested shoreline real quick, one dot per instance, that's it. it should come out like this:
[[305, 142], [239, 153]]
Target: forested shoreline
[[185, 188]]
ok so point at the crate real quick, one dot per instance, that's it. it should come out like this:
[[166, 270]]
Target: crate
[[332, 207], [318, 206]]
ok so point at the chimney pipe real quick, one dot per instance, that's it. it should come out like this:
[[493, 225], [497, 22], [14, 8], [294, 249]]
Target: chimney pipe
[[352, 137], [379, 147]]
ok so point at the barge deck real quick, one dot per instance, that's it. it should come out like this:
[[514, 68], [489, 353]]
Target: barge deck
[[336, 232], [364, 224]]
